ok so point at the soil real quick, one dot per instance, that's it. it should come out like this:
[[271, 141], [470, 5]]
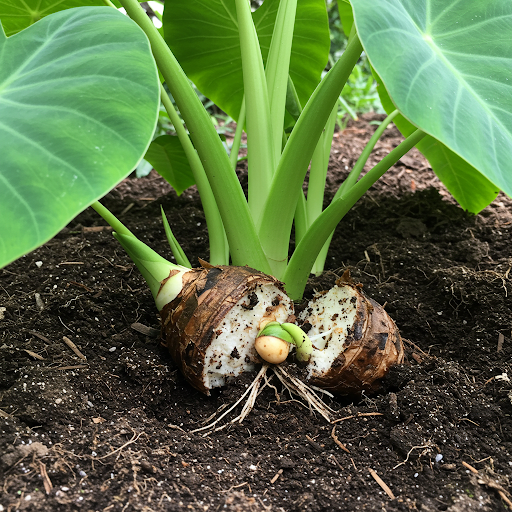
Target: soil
[[107, 426]]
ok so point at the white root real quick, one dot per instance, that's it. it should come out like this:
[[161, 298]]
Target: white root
[[253, 389], [304, 391], [291, 383]]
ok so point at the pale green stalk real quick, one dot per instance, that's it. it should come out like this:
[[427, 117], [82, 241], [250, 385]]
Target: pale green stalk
[[306, 252], [219, 251], [354, 174], [240, 229], [286, 185], [277, 69], [258, 126], [177, 251], [350, 180], [300, 219], [318, 173], [347, 107], [235, 148], [152, 266], [111, 219]]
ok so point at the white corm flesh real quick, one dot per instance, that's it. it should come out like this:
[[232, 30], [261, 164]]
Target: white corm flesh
[[333, 311], [231, 351]]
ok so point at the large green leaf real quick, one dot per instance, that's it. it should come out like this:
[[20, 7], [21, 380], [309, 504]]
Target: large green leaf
[[203, 36], [469, 187], [447, 66], [346, 16], [168, 158], [18, 15], [79, 98]]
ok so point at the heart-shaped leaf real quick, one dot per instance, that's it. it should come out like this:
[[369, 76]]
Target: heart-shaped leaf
[[204, 38], [16, 16], [470, 188], [79, 99], [447, 66]]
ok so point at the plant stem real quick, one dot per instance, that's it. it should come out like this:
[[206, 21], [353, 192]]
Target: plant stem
[[153, 267], [350, 180], [219, 252], [354, 174], [235, 148], [306, 252], [111, 219], [260, 157], [179, 254], [277, 70], [289, 176], [318, 174], [301, 221], [240, 230]]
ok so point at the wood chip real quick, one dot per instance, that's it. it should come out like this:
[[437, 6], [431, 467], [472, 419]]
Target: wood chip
[[384, 487], [33, 354], [471, 468], [337, 441], [73, 347], [80, 285], [501, 340], [144, 329], [48, 486], [40, 336], [276, 476], [314, 444], [127, 209]]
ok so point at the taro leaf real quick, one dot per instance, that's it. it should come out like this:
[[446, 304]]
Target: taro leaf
[[204, 38], [18, 15], [79, 99], [346, 16], [168, 158], [469, 187], [447, 66]]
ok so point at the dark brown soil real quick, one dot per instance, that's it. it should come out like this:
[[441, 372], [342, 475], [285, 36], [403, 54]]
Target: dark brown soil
[[111, 430]]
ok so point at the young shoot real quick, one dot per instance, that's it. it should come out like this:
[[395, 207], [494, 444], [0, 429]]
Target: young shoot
[[274, 340]]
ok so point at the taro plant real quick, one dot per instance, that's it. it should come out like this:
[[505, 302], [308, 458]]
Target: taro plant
[[79, 100]]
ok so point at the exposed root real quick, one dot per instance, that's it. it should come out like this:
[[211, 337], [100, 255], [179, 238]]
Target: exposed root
[[253, 389], [291, 383], [297, 387]]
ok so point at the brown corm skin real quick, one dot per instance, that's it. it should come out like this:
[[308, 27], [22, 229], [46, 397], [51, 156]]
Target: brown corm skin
[[190, 320], [372, 347]]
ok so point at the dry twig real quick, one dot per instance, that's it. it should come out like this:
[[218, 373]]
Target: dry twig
[[73, 347], [337, 441], [48, 486], [383, 485]]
